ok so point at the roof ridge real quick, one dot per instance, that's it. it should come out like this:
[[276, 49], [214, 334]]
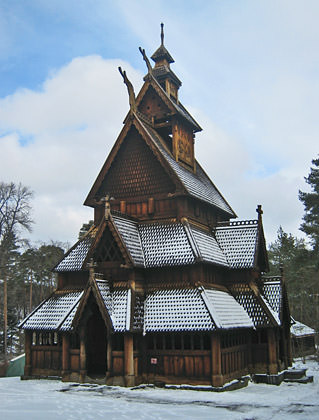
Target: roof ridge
[[238, 223]]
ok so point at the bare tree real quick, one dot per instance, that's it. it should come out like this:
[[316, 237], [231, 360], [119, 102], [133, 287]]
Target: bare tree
[[15, 216]]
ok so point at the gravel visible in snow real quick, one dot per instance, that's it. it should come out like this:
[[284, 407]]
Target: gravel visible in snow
[[51, 400]]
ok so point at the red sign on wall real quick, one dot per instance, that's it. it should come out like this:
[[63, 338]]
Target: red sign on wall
[[153, 361]]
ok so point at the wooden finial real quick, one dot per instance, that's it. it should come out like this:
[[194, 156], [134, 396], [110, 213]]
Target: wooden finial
[[162, 33], [147, 61], [259, 210], [91, 265], [130, 90], [107, 210]]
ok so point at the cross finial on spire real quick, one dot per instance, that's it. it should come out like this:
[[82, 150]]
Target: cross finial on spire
[[162, 33], [260, 212]]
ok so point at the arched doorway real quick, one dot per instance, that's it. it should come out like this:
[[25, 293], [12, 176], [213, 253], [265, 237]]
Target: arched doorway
[[96, 342]]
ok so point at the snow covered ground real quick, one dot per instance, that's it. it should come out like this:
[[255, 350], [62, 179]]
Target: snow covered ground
[[43, 399]]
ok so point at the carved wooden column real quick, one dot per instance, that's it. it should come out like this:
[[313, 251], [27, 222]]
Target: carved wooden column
[[65, 354], [129, 360], [82, 356], [216, 360], [272, 352], [27, 349]]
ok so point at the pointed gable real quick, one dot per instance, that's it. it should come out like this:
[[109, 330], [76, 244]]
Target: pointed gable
[[107, 249], [152, 105], [135, 171]]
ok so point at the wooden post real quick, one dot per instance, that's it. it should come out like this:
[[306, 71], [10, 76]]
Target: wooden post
[[216, 360], [288, 344], [272, 353], [129, 360], [109, 359], [82, 356], [123, 207], [27, 349], [65, 354], [150, 205]]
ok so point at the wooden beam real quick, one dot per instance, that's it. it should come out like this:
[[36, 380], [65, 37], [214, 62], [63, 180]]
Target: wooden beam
[[216, 360], [129, 360], [27, 349], [109, 360], [65, 354], [272, 352], [82, 356]]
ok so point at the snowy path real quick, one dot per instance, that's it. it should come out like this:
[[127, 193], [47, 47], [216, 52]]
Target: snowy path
[[35, 400]]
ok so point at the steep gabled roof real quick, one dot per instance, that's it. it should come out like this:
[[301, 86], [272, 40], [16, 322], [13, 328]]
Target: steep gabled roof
[[197, 184], [176, 108]]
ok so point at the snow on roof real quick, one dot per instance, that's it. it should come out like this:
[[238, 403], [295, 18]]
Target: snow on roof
[[165, 244], [74, 259], [208, 247], [298, 329], [128, 230], [238, 240], [225, 310], [273, 293], [160, 244], [53, 313], [117, 304], [247, 299], [187, 309], [176, 310]]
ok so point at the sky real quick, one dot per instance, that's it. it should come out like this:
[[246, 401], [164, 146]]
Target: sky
[[250, 78]]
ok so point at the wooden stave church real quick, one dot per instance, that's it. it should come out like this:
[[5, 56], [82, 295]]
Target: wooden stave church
[[163, 287]]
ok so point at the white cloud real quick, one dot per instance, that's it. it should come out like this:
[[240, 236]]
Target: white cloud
[[70, 126]]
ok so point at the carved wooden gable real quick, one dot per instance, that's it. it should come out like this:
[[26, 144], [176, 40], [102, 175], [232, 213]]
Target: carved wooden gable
[[153, 106], [135, 171], [108, 250]]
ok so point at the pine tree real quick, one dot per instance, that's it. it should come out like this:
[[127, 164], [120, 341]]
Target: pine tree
[[310, 200], [300, 274]]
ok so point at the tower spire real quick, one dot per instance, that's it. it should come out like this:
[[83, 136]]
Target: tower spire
[[162, 33]]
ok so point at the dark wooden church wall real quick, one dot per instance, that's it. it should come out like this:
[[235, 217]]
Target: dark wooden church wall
[[178, 355]]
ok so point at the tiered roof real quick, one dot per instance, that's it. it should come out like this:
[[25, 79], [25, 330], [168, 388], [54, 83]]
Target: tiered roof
[[187, 309], [167, 243]]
